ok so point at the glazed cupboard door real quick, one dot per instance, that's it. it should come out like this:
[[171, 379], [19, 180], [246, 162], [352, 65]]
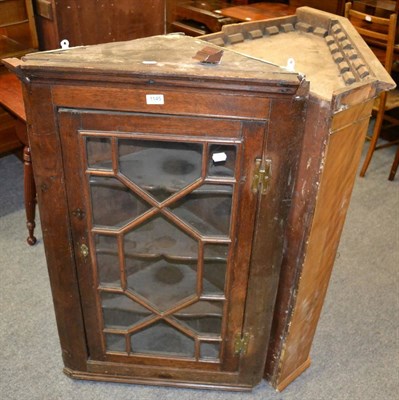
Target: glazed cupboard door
[[162, 262]]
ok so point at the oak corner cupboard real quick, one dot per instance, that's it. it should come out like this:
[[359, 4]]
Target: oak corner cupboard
[[345, 77], [191, 210], [164, 187]]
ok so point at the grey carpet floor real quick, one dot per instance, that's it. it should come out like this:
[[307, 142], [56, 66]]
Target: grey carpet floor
[[355, 351]]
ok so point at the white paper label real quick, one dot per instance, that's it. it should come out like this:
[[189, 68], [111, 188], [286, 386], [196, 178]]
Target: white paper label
[[219, 157], [155, 99]]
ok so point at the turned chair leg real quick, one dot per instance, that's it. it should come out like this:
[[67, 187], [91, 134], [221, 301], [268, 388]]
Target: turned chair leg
[[394, 166], [376, 134], [30, 196]]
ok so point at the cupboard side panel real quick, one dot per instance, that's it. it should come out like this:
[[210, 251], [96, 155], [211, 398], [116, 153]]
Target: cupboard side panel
[[342, 158], [298, 229], [282, 146], [50, 182]]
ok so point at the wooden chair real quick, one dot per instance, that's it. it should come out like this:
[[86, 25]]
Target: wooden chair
[[379, 33], [395, 165]]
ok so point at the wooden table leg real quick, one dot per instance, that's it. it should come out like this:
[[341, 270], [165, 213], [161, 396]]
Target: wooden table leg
[[30, 196]]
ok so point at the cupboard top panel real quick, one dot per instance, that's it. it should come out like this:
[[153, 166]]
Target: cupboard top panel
[[167, 55], [325, 47]]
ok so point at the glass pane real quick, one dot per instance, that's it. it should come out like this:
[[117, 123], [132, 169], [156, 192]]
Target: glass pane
[[161, 282], [162, 339], [99, 153], [207, 209], [160, 237], [107, 260], [210, 350], [119, 311], [115, 342], [215, 265], [222, 160], [161, 262], [204, 317], [113, 203], [160, 168]]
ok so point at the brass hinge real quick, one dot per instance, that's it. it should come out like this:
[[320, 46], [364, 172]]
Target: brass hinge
[[241, 343], [262, 175]]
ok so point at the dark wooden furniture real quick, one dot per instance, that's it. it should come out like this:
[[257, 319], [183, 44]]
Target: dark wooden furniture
[[164, 264], [267, 10], [196, 17], [11, 100], [17, 37], [96, 21], [376, 7], [9, 141], [258, 11], [345, 77], [331, 6], [17, 28]]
